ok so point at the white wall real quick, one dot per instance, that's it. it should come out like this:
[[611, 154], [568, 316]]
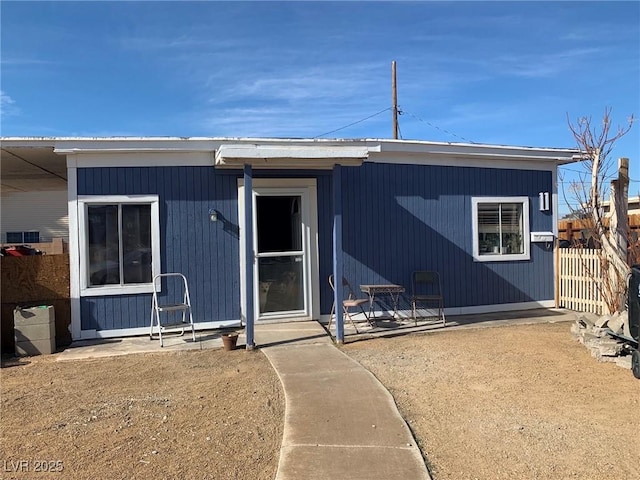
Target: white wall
[[46, 212]]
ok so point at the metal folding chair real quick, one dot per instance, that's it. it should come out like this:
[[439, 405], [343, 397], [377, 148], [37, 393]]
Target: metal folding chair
[[350, 302], [426, 289]]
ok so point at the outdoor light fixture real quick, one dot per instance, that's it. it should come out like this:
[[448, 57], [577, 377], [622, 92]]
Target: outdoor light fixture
[[213, 215]]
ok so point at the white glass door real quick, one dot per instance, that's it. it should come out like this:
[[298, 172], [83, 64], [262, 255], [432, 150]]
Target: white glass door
[[281, 253]]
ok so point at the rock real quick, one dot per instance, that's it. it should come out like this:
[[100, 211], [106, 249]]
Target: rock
[[617, 321], [624, 362], [577, 330], [609, 348], [590, 340], [587, 319], [602, 321], [595, 353], [600, 332], [626, 331]]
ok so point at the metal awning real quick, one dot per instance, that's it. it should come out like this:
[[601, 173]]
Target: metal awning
[[289, 156]]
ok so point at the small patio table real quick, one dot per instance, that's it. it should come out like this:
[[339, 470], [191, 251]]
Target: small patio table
[[390, 290]]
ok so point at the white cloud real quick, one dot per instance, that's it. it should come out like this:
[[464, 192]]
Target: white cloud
[[546, 64], [337, 84], [166, 42], [531, 65], [7, 105], [24, 62], [285, 121], [293, 101]]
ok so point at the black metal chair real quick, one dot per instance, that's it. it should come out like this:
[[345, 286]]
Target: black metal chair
[[426, 289]]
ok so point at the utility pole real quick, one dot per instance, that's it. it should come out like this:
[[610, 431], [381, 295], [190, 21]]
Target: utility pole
[[394, 100]]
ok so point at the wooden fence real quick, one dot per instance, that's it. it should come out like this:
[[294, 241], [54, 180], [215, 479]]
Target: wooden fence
[[580, 230], [579, 280], [31, 281], [56, 246]]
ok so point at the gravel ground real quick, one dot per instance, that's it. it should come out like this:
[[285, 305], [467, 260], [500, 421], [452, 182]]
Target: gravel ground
[[197, 414], [517, 402]]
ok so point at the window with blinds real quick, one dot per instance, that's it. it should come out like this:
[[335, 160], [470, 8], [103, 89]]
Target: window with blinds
[[500, 228]]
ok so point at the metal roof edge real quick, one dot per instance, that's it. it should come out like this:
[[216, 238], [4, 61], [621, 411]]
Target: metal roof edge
[[70, 145]]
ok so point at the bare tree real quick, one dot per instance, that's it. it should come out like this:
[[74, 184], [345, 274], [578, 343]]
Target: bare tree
[[596, 143]]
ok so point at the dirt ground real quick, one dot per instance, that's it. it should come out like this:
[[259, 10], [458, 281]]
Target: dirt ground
[[193, 414], [517, 402]]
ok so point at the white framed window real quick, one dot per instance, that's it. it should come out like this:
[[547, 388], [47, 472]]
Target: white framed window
[[500, 228], [119, 238]]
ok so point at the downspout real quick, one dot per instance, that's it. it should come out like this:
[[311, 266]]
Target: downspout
[[337, 251], [249, 256]]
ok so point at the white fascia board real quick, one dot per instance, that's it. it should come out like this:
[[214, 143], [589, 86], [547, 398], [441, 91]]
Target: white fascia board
[[471, 148], [290, 156], [455, 152], [450, 161], [129, 145], [141, 158]]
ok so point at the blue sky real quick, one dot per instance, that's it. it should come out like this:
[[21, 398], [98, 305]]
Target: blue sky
[[486, 72]]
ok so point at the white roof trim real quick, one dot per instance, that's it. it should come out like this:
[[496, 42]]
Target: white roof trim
[[466, 151], [306, 153], [289, 156]]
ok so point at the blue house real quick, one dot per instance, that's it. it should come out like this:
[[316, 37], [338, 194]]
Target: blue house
[[258, 225]]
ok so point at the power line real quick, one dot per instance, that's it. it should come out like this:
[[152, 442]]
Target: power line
[[354, 123], [584, 172], [438, 128]]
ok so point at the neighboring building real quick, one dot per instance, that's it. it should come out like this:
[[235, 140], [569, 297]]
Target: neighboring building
[[33, 196], [34, 217], [633, 205], [581, 231], [141, 206]]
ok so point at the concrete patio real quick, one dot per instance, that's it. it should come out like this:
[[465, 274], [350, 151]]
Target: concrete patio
[[404, 324], [299, 333]]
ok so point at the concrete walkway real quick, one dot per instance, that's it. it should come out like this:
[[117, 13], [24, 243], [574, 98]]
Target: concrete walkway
[[340, 422]]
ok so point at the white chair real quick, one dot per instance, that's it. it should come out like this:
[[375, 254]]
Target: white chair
[[180, 305]]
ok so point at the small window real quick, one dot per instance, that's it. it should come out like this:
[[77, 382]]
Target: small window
[[31, 237], [500, 228], [23, 237], [120, 243], [15, 237]]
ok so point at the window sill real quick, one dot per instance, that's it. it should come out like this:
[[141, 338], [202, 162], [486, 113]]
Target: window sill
[[116, 290], [502, 258]]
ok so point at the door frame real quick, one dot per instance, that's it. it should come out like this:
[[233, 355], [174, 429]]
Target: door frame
[[285, 186]]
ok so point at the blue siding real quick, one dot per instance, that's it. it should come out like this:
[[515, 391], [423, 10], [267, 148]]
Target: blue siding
[[207, 253], [325, 249], [396, 219], [400, 218]]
